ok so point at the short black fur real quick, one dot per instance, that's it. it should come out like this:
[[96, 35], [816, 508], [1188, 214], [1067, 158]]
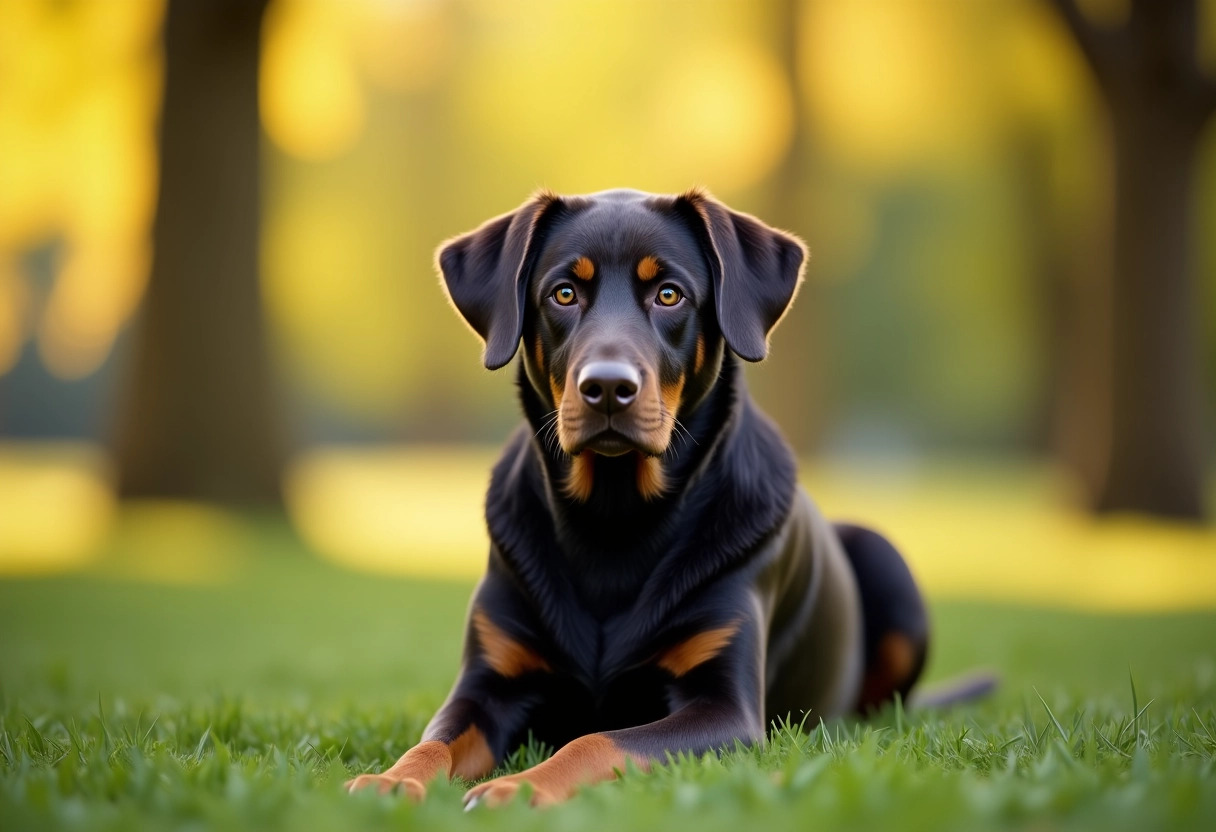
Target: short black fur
[[656, 577]]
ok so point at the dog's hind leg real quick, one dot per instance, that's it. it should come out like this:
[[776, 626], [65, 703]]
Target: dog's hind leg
[[895, 622]]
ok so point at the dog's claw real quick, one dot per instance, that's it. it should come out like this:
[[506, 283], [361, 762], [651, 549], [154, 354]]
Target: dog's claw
[[472, 803]]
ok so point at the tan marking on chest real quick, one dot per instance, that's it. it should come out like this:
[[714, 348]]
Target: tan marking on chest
[[652, 479], [648, 268], [584, 269], [697, 650], [581, 477], [504, 654]]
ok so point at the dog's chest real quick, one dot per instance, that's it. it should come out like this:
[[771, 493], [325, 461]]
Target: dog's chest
[[605, 654], [573, 707]]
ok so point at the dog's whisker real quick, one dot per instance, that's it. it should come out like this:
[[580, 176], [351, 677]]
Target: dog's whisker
[[681, 434], [684, 430], [550, 418], [551, 438]]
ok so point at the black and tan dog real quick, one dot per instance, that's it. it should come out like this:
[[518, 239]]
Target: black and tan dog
[[657, 582]]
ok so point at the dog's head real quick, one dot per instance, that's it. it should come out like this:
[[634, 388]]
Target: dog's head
[[625, 302]]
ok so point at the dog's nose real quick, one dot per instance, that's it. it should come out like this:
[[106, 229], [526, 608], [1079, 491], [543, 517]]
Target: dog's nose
[[609, 386]]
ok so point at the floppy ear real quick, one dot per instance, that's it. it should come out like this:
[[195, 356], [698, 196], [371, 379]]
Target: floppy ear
[[485, 273], [756, 271]]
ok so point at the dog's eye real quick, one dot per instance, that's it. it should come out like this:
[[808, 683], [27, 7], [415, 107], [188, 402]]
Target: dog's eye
[[669, 296], [564, 294]]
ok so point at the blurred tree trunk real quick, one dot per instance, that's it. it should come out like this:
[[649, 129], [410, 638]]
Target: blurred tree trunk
[[1069, 290], [1158, 101], [198, 419], [1030, 154], [791, 381], [1070, 268]]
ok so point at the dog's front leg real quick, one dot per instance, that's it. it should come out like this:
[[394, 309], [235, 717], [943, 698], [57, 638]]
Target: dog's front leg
[[717, 693], [462, 740], [489, 703]]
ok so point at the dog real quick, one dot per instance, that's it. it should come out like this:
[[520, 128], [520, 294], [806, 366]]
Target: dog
[[658, 582]]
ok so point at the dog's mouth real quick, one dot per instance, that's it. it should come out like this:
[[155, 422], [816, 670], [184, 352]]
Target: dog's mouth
[[610, 443], [613, 442]]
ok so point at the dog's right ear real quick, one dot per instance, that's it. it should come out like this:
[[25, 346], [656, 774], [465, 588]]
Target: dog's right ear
[[486, 270]]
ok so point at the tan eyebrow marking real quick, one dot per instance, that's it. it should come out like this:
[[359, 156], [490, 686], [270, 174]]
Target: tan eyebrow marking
[[697, 650], [506, 655], [584, 269], [648, 267]]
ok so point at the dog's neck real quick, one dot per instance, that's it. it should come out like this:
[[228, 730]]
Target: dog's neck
[[616, 534]]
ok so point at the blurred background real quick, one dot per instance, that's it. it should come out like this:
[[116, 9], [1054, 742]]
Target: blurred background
[[218, 306]]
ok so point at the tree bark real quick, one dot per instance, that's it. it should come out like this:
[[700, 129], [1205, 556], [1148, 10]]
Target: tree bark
[[1158, 451], [1158, 101], [199, 420]]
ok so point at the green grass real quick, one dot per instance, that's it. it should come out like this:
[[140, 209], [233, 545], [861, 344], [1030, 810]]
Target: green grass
[[244, 704]]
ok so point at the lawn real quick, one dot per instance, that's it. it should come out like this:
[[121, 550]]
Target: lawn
[[241, 699]]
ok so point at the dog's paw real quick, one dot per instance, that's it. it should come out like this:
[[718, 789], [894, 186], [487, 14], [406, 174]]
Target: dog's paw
[[413, 789], [502, 790]]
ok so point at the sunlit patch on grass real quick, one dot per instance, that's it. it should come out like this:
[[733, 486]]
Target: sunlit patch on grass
[[414, 510], [176, 542], [56, 506], [1006, 532]]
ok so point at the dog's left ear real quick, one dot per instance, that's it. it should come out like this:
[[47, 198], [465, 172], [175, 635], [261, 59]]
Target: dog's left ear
[[486, 272], [756, 270]]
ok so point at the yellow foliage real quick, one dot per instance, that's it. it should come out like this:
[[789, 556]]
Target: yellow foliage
[[96, 292], [81, 87], [405, 46], [336, 301], [721, 109], [592, 96], [1044, 73], [907, 83], [311, 99], [888, 83]]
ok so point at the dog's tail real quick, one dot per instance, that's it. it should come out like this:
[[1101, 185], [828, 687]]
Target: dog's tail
[[965, 688]]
